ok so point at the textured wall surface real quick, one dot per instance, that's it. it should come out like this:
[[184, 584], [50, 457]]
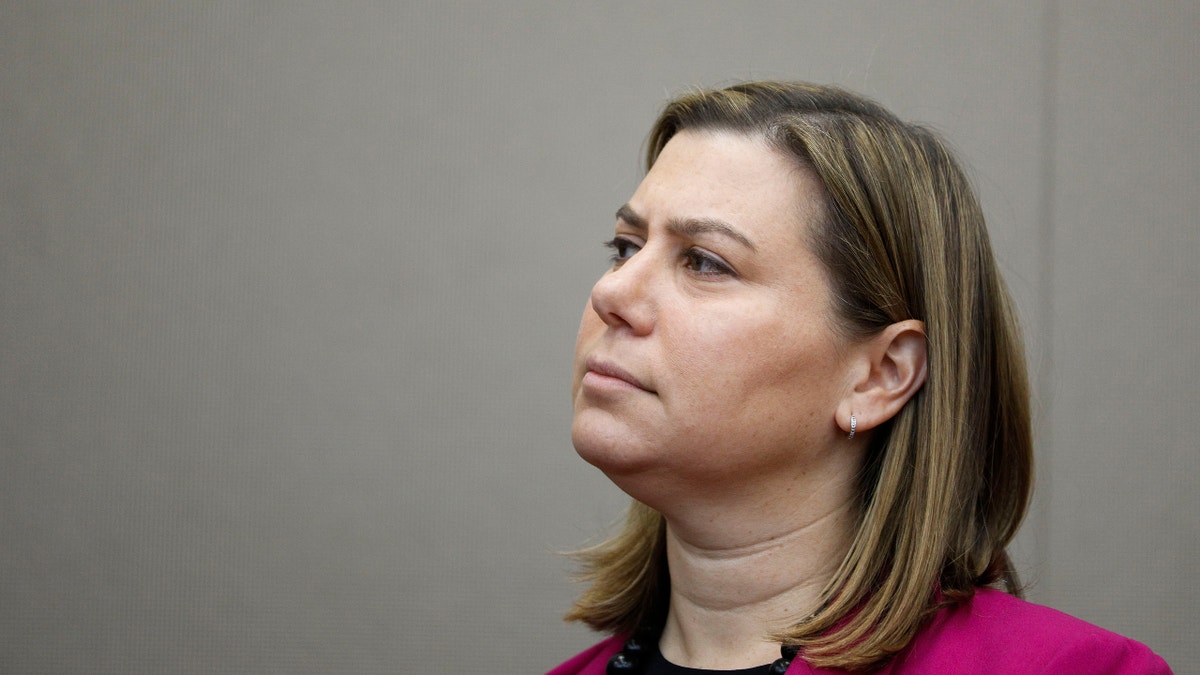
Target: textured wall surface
[[289, 292]]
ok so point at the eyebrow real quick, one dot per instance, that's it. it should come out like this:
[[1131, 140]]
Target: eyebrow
[[687, 226]]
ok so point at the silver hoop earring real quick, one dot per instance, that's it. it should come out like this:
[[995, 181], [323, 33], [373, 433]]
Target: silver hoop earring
[[853, 425]]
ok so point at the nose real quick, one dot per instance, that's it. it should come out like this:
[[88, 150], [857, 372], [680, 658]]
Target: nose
[[624, 297]]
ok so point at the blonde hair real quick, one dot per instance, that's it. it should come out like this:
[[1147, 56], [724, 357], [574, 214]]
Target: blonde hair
[[946, 482]]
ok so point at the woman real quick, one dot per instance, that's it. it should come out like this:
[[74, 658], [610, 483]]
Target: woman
[[804, 368]]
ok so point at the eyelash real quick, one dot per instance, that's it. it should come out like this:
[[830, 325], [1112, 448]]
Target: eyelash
[[618, 246], [695, 258]]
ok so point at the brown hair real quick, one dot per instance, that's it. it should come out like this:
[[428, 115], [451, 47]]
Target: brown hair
[[947, 480]]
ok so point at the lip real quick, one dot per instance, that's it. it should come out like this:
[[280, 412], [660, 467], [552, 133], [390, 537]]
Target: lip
[[611, 370]]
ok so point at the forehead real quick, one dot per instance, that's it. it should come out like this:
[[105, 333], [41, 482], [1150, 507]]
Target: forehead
[[737, 178]]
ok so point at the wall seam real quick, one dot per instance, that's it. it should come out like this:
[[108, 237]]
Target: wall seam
[[1045, 307]]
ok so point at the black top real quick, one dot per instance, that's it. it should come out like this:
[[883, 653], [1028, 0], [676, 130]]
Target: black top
[[658, 665]]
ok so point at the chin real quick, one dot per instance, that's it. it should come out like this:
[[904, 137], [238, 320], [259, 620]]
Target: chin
[[611, 452], [639, 470]]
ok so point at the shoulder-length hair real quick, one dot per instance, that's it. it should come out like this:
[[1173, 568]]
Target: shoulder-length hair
[[946, 482]]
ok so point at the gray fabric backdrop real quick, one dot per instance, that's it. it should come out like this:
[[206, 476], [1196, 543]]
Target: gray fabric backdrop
[[288, 293]]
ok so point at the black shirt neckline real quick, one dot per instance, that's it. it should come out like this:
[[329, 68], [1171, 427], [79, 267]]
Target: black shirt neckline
[[659, 665]]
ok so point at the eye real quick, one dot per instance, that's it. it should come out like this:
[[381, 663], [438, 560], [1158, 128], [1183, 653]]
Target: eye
[[706, 264], [622, 249]]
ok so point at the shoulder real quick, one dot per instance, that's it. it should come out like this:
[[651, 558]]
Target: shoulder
[[996, 632], [591, 661]]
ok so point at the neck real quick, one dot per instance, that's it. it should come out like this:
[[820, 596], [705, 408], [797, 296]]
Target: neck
[[734, 584]]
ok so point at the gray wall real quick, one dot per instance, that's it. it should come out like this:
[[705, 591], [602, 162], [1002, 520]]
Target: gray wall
[[288, 293]]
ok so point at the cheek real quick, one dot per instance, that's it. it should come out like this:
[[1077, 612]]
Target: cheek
[[763, 361]]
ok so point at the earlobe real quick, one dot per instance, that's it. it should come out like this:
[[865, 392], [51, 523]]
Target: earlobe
[[893, 371]]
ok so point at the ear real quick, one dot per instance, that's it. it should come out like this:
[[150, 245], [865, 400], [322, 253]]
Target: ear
[[888, 369]]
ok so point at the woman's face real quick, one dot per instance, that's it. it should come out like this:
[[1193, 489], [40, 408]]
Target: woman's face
[[707, 353]]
